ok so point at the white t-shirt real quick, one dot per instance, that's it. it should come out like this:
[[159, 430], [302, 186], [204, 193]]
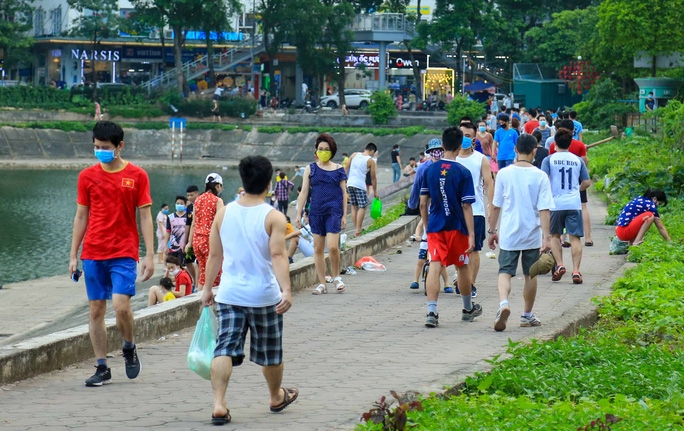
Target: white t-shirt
[[550, 140], [566, 171], [358, 168], [219, 91], [521, 192], [474, 164]]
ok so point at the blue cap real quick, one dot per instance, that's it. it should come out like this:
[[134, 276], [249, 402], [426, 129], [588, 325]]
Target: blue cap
[[467, 143], [434, 144]]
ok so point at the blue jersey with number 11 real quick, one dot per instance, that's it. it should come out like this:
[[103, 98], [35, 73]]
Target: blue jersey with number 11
[[449, 185]]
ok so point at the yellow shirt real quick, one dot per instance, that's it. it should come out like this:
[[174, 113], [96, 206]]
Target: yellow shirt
[[345, 162], [169, 296], [288, 229]]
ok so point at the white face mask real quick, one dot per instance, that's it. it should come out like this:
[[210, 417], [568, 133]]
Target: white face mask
[[174, 272]]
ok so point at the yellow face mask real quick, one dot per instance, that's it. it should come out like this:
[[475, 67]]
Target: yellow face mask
[[324, 155]]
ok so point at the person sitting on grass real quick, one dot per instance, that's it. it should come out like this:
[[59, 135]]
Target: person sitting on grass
[[639, 215], [161, 293]]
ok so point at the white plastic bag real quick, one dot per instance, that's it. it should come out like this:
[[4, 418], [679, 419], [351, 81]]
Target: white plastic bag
[[203, 344], [372, 266]]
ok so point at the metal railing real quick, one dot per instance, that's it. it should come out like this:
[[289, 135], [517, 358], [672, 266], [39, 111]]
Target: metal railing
[[221, 60], [385, 22]]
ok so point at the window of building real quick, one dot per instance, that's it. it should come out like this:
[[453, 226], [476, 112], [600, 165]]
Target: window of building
[[39, 22], [57, 20]]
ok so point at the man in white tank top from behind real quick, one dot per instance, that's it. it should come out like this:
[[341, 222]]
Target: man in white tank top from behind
[[247, 241], [357, 168], [478, 165]]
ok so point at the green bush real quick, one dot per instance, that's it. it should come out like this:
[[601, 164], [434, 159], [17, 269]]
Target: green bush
[[382, 107], [461, 107], [600, 108], [27, 96]]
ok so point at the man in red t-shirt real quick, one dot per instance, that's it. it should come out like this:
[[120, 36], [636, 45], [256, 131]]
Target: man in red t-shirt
[[533, 123], [109, 193], [580, 150]]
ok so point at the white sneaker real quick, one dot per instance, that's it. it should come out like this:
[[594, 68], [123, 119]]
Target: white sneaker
[[501, 318], [529, 321]]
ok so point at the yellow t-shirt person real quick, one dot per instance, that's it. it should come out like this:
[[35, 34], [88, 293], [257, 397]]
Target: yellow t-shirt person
[[169, 296]]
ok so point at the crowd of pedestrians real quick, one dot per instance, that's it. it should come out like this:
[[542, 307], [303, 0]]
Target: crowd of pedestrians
[[472, 187]]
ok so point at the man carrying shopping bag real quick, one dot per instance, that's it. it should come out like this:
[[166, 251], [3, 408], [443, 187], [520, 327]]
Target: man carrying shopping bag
[[247, 241]]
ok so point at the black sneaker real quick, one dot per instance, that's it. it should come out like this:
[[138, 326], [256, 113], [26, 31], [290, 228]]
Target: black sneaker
[[432, 320], [474, 312], [103, 376], [133, 365]]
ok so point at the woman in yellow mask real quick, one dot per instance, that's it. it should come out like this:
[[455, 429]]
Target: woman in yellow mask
[[327, 183]]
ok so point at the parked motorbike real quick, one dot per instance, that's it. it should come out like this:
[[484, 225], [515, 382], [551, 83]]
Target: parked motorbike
[[309, 108]]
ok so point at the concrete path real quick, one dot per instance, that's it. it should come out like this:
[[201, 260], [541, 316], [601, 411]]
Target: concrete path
[[343, 351]]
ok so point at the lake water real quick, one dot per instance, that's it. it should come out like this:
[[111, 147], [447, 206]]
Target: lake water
[[38, 208]]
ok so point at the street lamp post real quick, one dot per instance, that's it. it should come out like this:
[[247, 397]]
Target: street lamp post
[[252, 47]]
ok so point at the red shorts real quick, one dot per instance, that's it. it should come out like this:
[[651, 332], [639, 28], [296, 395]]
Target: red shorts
[[629, 232], [448, 247]]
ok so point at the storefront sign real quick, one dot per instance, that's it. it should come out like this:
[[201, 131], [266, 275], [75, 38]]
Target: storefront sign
[[369, 59], [141, 52], [402, 60], [103, 55]]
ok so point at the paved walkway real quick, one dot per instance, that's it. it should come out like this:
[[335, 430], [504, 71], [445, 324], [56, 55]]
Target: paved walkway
[[343, 352]]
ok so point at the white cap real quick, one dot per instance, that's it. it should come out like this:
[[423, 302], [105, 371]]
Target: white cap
[[214, 178]]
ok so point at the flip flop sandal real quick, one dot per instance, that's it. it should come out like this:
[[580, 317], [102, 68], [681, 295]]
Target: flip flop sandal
[[558, 273], [566, 244], [589, 243], [577, 278], [320, 289], [291, 395], [339, 284], [221, 420]]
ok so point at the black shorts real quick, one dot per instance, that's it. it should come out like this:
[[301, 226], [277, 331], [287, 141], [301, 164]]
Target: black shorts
[[583, 196], [480, 232], [368, 179], [216, 97]]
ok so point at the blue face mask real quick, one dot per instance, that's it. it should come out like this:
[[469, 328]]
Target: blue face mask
[[467, 143], [165, 212], [542, 123], [105, 156], [482, 129], [180, 207]]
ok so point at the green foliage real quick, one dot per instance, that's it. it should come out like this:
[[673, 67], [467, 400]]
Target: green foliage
[[672, 122], [600, 108], [461, 107], [201, 108], [67, 126], [561, 39], [623, 23], [375, 131], [381, 107], [388, 216], [14, 25], [26, 96]]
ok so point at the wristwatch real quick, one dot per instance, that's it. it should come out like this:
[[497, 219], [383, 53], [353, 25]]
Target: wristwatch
[[492, 232]]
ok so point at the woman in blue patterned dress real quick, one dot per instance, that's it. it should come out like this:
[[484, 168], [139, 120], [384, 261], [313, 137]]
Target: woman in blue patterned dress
[[327, 183]]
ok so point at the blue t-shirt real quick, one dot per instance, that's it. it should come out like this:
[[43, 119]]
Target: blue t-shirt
[[414, 199], [578, 129], [449, 185], [506, 139], [635, 208]]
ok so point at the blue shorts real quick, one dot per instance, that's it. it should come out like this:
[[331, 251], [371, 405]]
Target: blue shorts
[[325, 224], [104, 277], [480, 232]]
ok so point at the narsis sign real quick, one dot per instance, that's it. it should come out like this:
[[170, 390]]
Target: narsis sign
[[103, 55]]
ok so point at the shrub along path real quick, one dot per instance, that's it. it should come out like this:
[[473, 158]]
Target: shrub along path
[[343, 352]]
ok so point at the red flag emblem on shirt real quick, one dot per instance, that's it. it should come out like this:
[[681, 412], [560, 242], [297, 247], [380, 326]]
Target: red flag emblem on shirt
[[127, 182]]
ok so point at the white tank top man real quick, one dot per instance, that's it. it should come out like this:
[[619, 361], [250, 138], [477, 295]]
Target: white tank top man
[[361, 164], [247, 241], [479, 168]]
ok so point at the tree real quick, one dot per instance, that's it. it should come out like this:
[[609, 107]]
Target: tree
[[654, 27], [567, 35], [180, 15], [98, 19], [214, 18], [14, 23]]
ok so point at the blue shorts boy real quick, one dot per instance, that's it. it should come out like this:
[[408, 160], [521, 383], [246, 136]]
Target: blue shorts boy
[[112, 276]]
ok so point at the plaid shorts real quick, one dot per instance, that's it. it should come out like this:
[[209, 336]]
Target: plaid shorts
[[357, 197], [265, 334]]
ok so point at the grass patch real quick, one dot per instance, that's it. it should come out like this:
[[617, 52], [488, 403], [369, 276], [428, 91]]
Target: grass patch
[[375, 131], [388, 216]]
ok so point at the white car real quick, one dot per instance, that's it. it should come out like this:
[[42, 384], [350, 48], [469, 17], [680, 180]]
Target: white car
[[353, 97]]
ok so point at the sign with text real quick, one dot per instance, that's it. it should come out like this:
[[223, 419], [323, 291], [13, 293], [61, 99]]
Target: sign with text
[[97, 55], [370, 60]]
